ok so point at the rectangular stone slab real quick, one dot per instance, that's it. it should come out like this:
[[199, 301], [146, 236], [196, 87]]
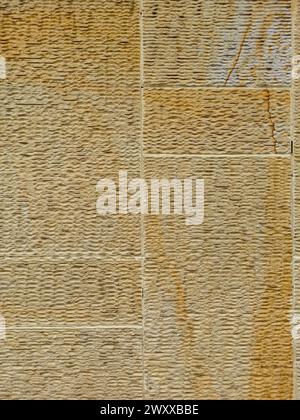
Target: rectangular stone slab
[[70, 115], [296, 137], [60, 293], [217, 121], [217, 42], [218, 295], [71, 364]]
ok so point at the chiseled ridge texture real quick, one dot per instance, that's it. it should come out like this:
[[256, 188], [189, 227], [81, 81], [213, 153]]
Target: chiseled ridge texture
[[70, 282], [77, 293], [216, 298], [296, 136], [218, 295], [213, 121], [217, 42], [70, 115], [77, 364]]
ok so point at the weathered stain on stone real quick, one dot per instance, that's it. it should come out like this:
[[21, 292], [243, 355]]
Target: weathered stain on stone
[[184, 322], [217, 297], [271, 374], [70, 115], [247, 43], [239, 52], [235, 280], [217, 121], [296, 185], [272, 124]]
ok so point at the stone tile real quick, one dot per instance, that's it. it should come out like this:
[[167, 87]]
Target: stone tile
[[65, 293], [70, 115], [297, 206], [48, 203], [74, 47], [38, 365], [218, 296], [239, 121], [296, 79], [297, 370], [297, 287], [296, 137], [217, 42]]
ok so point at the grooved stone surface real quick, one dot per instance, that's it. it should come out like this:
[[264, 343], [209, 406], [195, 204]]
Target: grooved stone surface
[[70, 115], [218, 296], [239, 121], [59, 293], [48, 202], [297, 206], [297, 370], [296, 127], [297, 290], [296, 136], [71, 365], [217, 42]]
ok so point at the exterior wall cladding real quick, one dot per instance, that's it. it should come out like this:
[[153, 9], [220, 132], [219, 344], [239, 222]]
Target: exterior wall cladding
[[146, 307]]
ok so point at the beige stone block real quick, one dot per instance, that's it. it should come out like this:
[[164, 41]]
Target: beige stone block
[[296, 27], [212, 121], [74, 47], [297, 205], [296, 118], [70, 293], [218, 296], [217, 43], [70, 115], [297, 287], [296, 325], [297, 370], [71, 364], [48, 201]]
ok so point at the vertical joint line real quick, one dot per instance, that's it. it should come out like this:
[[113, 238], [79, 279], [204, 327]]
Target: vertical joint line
[[293, 194], [142, 176]]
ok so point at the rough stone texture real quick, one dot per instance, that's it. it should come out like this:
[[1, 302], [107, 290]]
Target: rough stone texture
[[217, 309], [196, 121], [296, 139], [70, 115], [217, 42], [48, 200], [296, 84], [296, 327], [71, 364], [297, 203], [297, 369], [81, 293], [217, 297]]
